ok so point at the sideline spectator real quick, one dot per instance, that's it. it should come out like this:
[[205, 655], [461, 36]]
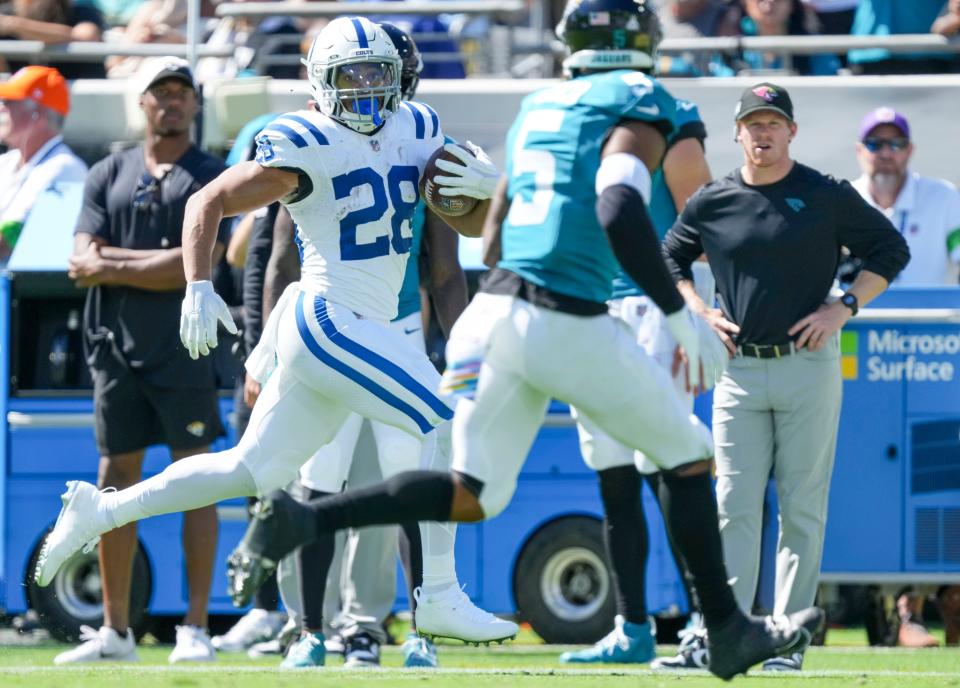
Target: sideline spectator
[[696, 19], [777, 407], [115, 12], [889, 17], [154, 21], [33, 105], [429, 33], [834, 17], [147, 390], [53, 21], [925, 210], [948, 24], [782, 18]]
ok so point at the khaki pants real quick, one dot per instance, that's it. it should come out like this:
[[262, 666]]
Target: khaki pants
[[778, 415]]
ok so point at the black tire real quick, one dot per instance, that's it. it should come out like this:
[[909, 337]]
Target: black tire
[[562, 582], [75, 598]]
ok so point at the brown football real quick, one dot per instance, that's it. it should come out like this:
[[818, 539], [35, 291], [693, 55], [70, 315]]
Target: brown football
[[453, 206]]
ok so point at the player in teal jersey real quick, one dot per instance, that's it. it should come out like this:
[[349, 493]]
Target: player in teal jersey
[[572, 215], [625, 535], [625, 529]]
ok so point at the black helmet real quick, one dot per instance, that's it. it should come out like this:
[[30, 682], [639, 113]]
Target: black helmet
[[609, 34], [409, 56]]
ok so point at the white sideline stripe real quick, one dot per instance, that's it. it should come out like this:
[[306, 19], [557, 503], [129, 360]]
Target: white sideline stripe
[[393, 673]]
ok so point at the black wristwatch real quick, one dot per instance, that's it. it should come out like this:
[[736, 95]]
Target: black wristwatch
[[850, 301]]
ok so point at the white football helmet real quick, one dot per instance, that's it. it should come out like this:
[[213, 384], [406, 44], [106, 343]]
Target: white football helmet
[[354, 73]]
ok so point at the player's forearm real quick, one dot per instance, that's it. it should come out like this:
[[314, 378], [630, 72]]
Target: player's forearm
[[449, 293], [201, 219], [281, 272], [493, 225]]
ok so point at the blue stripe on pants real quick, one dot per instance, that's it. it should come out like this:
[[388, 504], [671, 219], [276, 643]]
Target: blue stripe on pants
[[382, 364], [348, 372]]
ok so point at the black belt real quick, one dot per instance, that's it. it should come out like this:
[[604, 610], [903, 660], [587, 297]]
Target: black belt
[[766, 350], [501, 281]]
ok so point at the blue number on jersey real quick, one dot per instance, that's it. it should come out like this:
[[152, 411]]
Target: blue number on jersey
[[344, 184]]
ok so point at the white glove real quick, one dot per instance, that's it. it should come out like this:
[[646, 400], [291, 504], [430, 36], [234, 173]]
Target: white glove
[[713, 354], [682, 325], [477, 177], [202, 309]]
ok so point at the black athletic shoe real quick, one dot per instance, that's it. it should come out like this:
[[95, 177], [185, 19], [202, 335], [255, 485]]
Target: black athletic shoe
[[278, 525], [361, 650], [744, 640]]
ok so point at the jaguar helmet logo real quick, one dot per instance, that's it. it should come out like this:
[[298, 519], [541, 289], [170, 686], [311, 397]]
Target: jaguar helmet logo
[[765, 92]]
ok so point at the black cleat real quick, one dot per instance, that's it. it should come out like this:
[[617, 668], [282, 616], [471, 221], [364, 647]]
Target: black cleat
[[747, 640], [278, 525]]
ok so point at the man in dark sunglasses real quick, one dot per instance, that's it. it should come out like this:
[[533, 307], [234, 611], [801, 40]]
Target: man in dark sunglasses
[[925, 210]]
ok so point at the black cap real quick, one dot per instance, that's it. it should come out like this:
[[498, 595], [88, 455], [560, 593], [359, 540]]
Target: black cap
[[162, 68], [765, 96]]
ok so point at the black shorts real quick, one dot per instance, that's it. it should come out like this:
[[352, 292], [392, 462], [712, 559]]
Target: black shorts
[[132, 414]]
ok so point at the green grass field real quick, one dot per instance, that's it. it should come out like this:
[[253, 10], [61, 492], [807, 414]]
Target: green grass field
[[844, 662]]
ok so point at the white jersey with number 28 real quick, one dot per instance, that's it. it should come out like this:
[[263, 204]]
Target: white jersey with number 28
[[353, 227]]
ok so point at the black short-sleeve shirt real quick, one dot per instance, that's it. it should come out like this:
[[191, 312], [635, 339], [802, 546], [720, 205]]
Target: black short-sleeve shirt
[[144, 324]]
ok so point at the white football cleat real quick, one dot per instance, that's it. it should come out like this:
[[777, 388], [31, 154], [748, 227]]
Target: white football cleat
[[256, 626], [451, 614], [104, 645], [78, 526], [193, 645]]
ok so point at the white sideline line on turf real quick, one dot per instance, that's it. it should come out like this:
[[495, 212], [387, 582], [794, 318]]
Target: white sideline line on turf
[[393, 673]]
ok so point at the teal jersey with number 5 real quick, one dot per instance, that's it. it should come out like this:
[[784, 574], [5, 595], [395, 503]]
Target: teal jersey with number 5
[[663, 211], [551, 236]]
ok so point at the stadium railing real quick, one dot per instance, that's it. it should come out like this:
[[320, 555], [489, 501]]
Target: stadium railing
[[510, 51]]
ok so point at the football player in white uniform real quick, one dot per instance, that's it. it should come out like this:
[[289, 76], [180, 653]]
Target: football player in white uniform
[[348, 172]]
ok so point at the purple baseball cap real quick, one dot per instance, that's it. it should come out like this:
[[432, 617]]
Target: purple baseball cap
[[883, 115]]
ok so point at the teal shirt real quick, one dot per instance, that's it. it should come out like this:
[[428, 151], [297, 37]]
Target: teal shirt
[[551, 236], [409, 300], [663, 211], [888, 17]]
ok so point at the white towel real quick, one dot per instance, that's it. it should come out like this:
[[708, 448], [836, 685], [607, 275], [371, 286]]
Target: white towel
[[263, 359]]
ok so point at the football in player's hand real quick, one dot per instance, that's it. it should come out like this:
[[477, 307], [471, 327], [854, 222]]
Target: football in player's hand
[[453, 206]]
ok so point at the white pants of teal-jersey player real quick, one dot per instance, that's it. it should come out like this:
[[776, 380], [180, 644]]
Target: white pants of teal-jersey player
[[525, 355]]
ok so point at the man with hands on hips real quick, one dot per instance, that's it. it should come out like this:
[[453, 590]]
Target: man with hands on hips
[[772, 232]]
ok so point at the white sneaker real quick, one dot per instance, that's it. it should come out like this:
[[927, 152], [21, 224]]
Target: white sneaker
[[79, 525], [256, 626], [193, 645], [451, 614], [104, 645]]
